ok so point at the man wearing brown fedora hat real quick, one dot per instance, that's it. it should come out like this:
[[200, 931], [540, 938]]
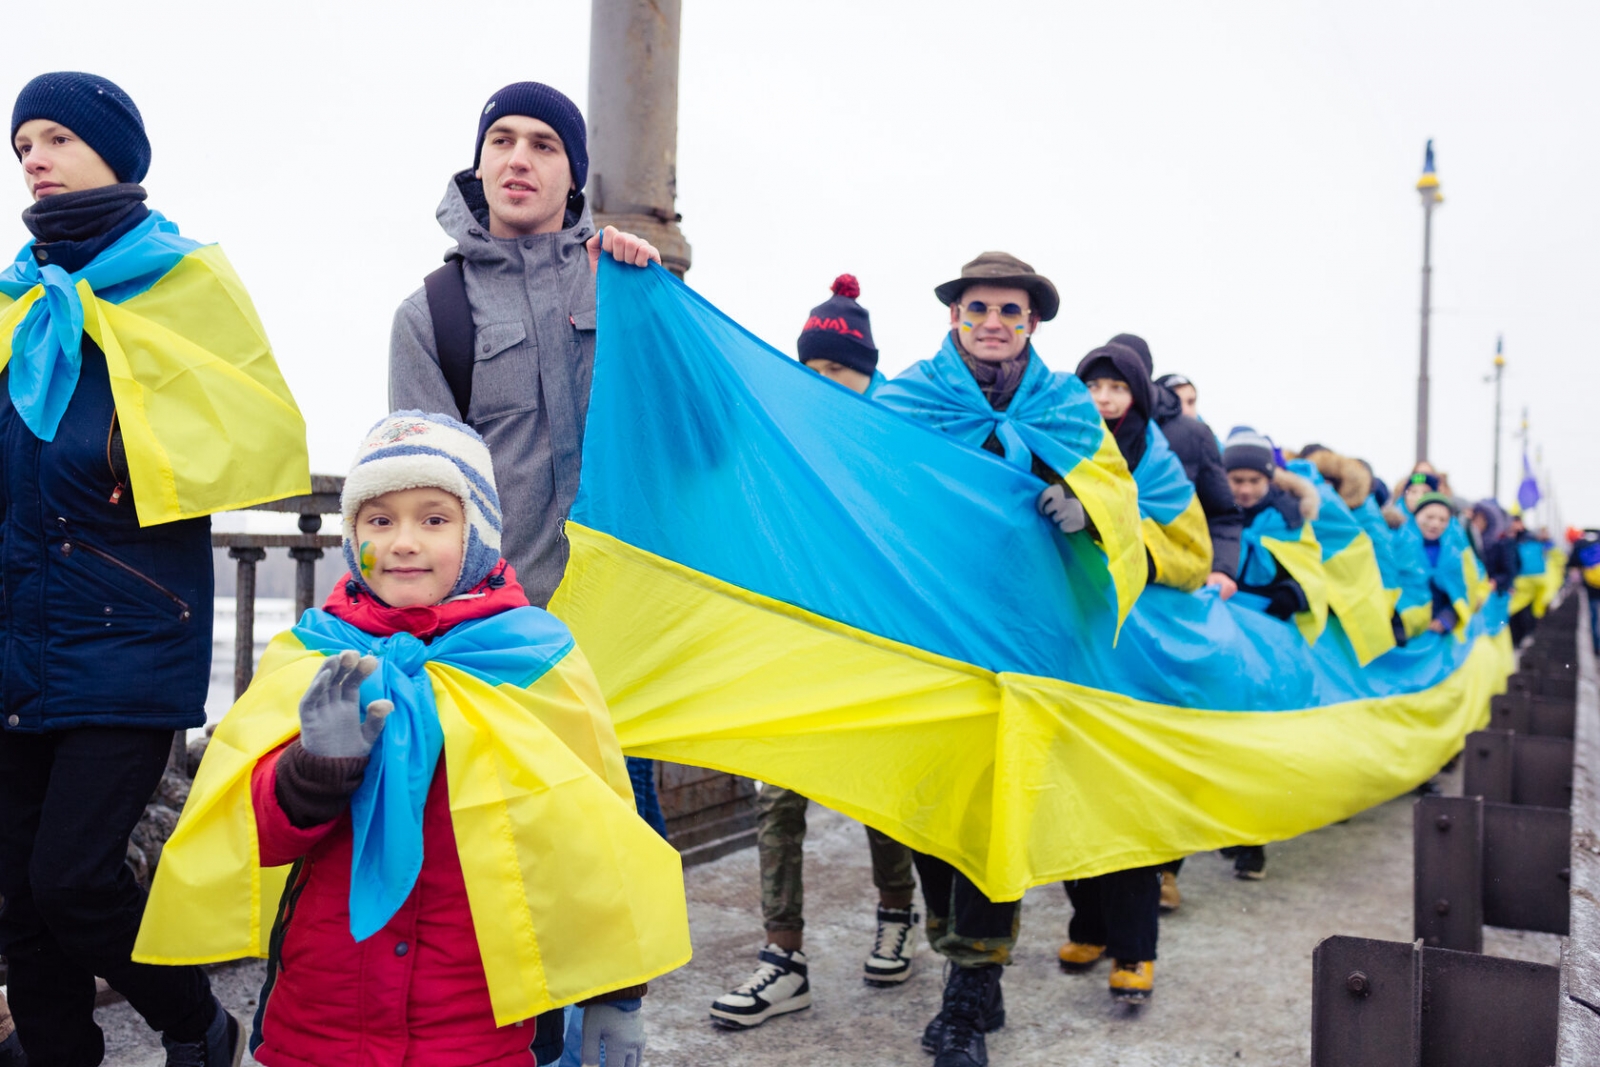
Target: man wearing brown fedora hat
[[988, 387]]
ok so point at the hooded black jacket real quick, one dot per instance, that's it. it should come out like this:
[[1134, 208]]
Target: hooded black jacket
[[1196, 448]]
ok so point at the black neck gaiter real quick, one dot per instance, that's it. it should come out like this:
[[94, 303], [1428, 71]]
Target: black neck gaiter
[[75, 225]]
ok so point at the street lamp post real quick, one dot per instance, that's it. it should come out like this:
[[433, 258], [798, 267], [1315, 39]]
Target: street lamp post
[[633, 122], [1499, 373], [1428, 188]]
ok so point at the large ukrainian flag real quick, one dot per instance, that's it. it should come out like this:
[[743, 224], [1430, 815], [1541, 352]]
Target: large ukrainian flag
[[776, 577], [207, 420]]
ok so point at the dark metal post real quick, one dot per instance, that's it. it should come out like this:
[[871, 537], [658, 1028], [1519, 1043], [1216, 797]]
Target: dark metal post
[[305, 571], [1499, 373], [244, 630], [633, 122]]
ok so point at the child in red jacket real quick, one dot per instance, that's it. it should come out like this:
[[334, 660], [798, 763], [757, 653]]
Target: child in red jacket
[[422, 533]]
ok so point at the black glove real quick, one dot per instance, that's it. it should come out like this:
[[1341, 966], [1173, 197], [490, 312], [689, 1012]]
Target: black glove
[[1283, 602]]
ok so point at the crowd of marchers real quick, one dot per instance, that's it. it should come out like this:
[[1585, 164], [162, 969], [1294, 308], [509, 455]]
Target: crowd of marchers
[[452, 519]]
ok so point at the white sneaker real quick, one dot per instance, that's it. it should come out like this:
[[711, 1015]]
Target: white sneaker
[[778, 986], [890, 962]]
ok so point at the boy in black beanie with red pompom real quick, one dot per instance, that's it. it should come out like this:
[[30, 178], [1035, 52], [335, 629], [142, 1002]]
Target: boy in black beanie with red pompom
[[836, 342]]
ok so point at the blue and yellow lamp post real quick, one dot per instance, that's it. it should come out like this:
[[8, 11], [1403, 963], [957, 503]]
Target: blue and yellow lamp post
[[1428, 188]]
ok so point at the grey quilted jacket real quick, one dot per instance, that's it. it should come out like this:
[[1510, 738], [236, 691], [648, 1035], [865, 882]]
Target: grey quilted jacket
[[533, 314]]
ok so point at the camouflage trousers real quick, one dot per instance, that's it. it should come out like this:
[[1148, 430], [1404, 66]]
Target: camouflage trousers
[[964, 926], [780, 837]]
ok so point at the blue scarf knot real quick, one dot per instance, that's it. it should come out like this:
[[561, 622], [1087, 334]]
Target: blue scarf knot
[[513, 648], [1050, 416], [47, 345]]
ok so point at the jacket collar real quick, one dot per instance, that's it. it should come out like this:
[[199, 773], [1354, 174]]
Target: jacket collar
[[464, 215], [496, 593]]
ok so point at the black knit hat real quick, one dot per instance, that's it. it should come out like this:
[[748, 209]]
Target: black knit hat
[[1122, 363], [1140, 346], [840, 329], [95, 109], [536, 100]]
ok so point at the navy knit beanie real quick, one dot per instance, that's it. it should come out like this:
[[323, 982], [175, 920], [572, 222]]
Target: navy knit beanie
[[538, 101], [93, 108], [840, 329], [1248, 451]]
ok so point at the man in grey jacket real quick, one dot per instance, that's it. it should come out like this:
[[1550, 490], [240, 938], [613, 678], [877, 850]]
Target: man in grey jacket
[[528, 251]]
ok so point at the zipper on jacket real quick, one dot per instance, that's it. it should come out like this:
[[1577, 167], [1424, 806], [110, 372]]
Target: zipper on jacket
[[116, 491], [69, 546]]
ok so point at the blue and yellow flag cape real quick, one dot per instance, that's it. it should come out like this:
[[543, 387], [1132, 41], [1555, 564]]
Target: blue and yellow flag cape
[[1172, 522], [206, 417], [1268, 540], [778, 578], [572, 894], [1541, 571], [1051, 417], [1355, 586]]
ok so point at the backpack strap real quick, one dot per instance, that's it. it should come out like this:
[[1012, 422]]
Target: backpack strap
[[446, 289]]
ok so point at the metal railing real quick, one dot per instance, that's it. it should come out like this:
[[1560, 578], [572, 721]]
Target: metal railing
[[305, 548]]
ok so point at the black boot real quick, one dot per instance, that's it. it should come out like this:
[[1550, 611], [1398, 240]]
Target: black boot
[[11, 1054], [973, 1006], [222, 1045]]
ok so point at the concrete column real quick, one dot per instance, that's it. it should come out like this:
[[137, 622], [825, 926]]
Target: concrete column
[[633, 122]]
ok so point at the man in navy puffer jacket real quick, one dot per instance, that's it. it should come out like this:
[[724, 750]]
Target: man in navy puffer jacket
[[105, 635]]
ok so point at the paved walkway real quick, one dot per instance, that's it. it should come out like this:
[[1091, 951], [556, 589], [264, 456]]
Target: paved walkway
[[1233, 985]]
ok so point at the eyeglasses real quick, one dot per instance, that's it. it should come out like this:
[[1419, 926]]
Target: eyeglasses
[[1010, 314]]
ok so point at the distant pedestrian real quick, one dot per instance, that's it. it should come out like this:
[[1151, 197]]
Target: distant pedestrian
[[1172, 407], [1584, 562]]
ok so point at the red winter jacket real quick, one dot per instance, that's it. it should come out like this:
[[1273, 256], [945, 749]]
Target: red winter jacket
[[413, 994]]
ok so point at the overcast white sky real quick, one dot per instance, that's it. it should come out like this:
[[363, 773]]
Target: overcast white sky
[[1233, 181]]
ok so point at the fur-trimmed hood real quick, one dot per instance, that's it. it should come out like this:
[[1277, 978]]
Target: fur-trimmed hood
[[1349, 477], [1302, 490]]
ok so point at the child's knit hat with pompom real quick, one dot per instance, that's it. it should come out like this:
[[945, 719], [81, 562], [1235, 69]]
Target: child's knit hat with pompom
[[415, 450]]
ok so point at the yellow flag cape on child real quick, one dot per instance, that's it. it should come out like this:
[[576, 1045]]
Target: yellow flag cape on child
[[572, 894]]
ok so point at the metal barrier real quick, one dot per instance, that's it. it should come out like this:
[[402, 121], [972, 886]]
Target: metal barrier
[[1521, 850]]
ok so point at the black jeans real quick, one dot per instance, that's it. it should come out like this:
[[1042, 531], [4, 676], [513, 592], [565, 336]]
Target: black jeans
[[1522, 624], [68, 802], [1120, 911], [964, 926]]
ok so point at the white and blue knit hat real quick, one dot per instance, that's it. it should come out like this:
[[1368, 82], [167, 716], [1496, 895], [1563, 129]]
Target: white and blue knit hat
[[413, 450]]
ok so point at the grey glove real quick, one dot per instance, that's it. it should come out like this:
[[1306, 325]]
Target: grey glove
[[330, 715], [618, 1026], [1058, 505]]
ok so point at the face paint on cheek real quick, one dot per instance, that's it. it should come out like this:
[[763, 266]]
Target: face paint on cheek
[[367, 559], [965, 325]]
